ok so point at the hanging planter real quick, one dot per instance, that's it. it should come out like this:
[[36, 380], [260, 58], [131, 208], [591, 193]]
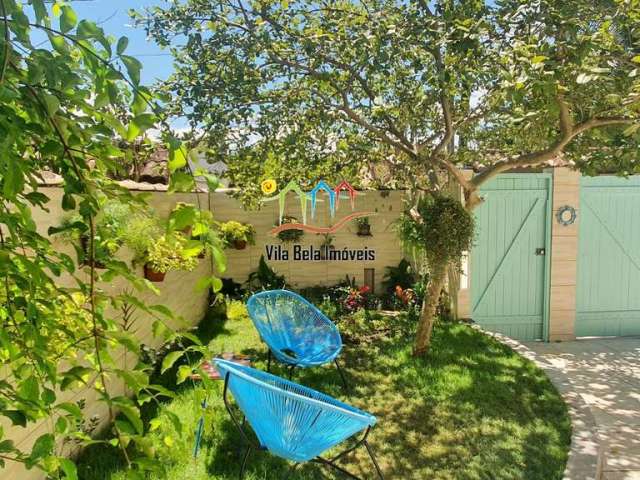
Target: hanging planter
[[239, 244], [237, 235], [292, 235]]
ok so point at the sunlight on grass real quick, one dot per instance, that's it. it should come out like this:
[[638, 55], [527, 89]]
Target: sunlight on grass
[[473, 410]]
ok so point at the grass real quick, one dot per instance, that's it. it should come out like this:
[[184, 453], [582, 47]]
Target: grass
[[473, 409]]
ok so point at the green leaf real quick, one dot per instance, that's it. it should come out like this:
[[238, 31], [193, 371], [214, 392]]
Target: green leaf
[[58, 43], [17, 417], [13, 179], [636, 59], [7, 446], [170, 359], [123, 42], [133, 415], [68, 203], [177, 158], [133, 67], [145, 121], [29, 389], [216, 284], [220, 259], [69, 469], [74, 376], [42, 447], [183, 373], [68, 20], [181, 182], [132, 131], [40, 10], [51, 102], [538, 59]]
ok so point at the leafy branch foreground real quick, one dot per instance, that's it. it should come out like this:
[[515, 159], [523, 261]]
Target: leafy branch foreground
[[474, 410], [72, 107]]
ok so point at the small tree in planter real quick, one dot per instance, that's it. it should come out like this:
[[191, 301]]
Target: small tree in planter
[[292, 235], [165, 254], [237, 235]]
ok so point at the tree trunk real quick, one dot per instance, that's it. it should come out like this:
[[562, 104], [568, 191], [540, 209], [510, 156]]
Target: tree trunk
[[428, 312]]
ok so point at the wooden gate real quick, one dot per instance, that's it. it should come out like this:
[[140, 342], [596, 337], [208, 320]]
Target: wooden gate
[[509, 262], [608, 287]]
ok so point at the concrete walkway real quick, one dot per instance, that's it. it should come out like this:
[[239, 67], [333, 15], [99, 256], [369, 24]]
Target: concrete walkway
[[605, 372]]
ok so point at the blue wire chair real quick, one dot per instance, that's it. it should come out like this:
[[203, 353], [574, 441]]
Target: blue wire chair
[[291, 421], [297, 333]]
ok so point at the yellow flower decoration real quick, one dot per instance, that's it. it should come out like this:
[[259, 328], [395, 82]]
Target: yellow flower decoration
[[269, 186]]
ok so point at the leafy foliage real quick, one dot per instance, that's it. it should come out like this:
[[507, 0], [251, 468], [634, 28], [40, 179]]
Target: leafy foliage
[[291, 235], [69, 95], [439, 226], [170, 252], [233, 231], [265, 278]]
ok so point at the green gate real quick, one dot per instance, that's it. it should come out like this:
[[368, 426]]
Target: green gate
[[509, 265], [608, 288]]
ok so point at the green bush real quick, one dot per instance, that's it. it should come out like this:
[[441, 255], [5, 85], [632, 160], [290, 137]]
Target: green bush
[[438, 226], [233, 231], [169, 253]]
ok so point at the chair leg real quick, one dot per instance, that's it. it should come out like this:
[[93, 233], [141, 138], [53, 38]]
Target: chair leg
[[329, 463], [344, 380], [291, 368], [269, 360], [244, 462], [373, 459]]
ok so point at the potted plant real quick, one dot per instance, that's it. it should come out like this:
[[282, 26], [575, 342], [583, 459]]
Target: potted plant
[[292, 235], [165, 254], [364, 227], [237, 235], [183, 206]]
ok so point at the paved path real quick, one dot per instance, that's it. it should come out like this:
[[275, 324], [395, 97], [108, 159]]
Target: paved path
[[605, 372]]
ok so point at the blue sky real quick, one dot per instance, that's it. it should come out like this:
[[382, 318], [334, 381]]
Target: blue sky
[[113, 16]]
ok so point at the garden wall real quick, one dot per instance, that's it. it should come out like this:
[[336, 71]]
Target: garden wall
[[177, 292], [384, 206]]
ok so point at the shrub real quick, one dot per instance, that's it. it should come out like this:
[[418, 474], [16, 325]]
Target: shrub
[[265, 278], [438, 226], [168, 253], [233, 231]]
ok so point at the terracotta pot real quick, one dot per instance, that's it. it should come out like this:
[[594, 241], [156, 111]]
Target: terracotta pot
[[152, 275], [239, 244]]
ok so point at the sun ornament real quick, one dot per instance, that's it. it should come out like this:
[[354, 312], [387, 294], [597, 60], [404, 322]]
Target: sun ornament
[[269, 186]]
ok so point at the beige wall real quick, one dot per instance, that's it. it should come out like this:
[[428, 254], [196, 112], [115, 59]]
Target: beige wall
[[564, 250], [385, 208]]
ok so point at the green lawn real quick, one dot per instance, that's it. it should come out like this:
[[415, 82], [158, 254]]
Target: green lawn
[[473, 410]]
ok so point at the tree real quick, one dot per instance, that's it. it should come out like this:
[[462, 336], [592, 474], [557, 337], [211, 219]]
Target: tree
[[425, 88], [68, 95]]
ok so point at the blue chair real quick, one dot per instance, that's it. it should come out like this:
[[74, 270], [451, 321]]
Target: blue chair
[[296, 332], [291, 421]]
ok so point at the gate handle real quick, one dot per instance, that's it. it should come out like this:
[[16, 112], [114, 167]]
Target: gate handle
[[540, 251]]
